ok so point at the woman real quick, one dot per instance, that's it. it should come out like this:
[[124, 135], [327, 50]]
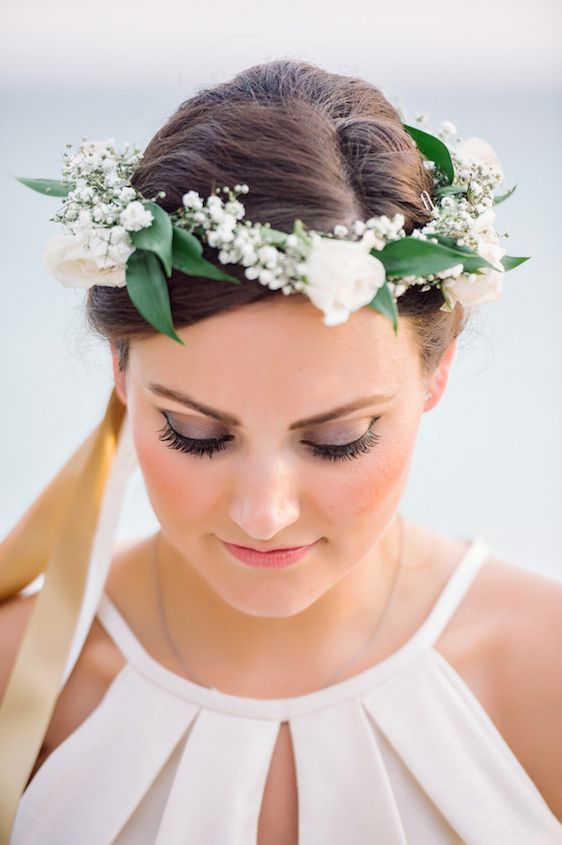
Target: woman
[[384, 682]]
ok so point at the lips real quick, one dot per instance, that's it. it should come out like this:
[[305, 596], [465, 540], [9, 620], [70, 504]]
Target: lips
[[269, 551], [276, 558]]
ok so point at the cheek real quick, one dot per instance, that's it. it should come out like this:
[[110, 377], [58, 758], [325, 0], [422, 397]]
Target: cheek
[[175, 482], [367, 497]]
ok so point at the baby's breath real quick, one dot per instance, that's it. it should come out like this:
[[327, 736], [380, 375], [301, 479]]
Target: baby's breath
[[274, 258]]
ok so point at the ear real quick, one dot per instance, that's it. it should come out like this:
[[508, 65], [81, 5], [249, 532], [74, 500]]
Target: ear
[[118, 375], [438, 380]]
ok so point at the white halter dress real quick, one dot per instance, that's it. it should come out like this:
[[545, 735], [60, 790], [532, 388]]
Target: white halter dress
[[401, 754]]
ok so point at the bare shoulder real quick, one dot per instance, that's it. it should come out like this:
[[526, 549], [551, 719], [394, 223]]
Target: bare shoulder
[[524, 613], [526, 609]]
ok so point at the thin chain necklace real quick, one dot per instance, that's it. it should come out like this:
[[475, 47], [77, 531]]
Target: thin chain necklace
[[189, 672]]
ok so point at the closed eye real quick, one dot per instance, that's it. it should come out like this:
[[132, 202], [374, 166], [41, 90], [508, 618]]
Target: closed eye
[[210, 446]]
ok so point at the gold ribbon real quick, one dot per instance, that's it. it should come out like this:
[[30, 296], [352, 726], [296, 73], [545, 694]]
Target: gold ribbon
[[54, 536]]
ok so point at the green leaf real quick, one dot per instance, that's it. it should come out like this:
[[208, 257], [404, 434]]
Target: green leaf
[[446, 296], [510, 261], [433, 149], [157, 237], [414, 257], [185, 240], [52, 187], [384, 303], [186, 257], [503, 197], [274, 236], [452, 243], [447, 190], [301, 233], [148, 291]]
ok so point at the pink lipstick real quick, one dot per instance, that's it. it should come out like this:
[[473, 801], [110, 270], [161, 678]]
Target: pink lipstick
[[276, 559]]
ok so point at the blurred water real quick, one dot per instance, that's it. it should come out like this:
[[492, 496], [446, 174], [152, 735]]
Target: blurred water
[[488, 460]]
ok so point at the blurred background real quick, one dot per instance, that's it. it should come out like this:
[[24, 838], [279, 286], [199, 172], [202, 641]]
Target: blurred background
[[488, 460]]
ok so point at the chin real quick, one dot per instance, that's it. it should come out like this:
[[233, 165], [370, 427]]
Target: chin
[[276, 598]]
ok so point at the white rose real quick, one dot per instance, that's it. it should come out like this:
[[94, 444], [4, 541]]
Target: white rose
[[474, 288], [136, 217], [490, 249], [488, 241], [342, 277], [483, 221], [487, 284], [98, 248], [478, 150], [68, 259]]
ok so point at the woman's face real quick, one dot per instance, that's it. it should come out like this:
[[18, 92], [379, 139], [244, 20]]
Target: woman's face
[[273, 481]]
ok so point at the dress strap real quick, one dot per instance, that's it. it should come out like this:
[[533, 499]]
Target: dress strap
[[454, 591], [117, 628]]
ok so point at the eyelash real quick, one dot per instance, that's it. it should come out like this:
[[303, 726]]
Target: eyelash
[[209, 447]]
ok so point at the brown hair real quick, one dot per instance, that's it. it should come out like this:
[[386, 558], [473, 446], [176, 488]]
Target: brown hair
[[310, 144]]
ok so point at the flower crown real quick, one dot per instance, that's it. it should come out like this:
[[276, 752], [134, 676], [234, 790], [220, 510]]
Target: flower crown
[[118, 237]]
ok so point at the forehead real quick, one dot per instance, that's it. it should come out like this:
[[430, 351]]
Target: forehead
[[281, 345]]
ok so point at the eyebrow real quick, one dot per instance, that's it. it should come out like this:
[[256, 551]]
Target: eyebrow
[[228, 419]]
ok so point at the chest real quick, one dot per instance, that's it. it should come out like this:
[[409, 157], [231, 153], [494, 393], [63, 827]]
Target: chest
[[278, 818]]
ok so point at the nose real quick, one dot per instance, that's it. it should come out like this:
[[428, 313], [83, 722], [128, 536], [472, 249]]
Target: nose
[[265, 499]]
